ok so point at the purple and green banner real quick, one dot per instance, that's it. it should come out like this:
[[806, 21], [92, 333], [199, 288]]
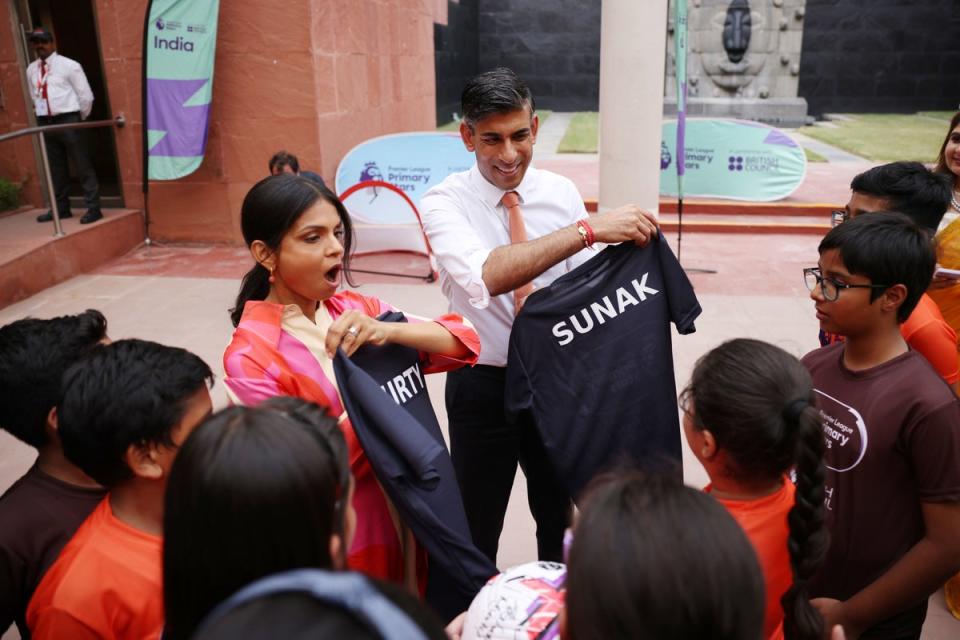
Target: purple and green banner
[[680, 34], [179, 45]]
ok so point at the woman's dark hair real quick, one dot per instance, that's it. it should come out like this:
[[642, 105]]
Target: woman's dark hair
[[941, 166], [654, 559], [758, 402], [252, 492], [269, 211]]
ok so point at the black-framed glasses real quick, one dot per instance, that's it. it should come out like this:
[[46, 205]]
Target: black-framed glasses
[[838, 216], [829, 287]]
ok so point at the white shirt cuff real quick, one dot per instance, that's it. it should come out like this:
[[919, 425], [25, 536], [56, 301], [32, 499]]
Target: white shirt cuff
[[477, 288]]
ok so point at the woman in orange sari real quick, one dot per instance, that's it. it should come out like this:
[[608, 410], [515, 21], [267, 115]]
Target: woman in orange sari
[[290, 319], [946, 293]]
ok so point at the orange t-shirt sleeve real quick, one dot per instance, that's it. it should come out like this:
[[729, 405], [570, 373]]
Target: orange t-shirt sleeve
[[936, 341]]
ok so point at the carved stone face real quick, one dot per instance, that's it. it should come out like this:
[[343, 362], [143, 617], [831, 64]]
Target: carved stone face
[[736, 30], [735, 43]]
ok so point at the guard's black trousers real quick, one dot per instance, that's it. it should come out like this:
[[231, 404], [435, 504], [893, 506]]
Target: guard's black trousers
[[75, 145]]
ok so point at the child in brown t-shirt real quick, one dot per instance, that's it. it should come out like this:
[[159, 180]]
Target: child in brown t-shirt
[[44, 507], [892, 428]]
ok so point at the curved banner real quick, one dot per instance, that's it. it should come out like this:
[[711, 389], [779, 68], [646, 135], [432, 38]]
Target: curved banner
[[413, 162], [179, 43], [732, 159]]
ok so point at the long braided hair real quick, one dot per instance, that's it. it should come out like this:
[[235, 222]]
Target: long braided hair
[[757, 400]]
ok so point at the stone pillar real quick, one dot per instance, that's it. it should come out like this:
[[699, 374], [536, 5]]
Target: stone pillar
[[632, 46]]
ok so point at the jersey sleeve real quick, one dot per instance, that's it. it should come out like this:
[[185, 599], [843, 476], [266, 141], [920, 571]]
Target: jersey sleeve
[[934, 448], [683, 304]]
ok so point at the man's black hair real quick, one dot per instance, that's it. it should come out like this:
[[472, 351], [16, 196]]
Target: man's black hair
[[131, 392], [889, 248], [283, 159], [910, 188], [34, 354], [493, 92]]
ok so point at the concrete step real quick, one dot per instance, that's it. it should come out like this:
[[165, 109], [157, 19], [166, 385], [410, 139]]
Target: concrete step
[[726, 216], [31, 259], [745, 223], [730, 207]]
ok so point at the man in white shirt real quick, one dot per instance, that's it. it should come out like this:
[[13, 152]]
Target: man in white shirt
[[61, 94], [498, 231]]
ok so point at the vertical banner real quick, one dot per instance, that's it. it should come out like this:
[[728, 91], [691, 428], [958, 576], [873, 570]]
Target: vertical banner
[[680, 33], [179, 43]]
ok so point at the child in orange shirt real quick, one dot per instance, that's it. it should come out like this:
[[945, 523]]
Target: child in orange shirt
[[749, 419], [122, 415]]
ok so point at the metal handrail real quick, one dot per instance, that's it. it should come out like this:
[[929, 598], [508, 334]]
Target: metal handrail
[[118, 122]]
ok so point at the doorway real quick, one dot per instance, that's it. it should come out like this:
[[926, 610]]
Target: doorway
[[74, 27]]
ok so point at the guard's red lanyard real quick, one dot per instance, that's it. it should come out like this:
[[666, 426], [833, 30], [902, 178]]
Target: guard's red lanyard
[[42, 84]]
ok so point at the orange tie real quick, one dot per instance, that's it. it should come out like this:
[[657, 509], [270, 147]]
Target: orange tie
[[518, 233]]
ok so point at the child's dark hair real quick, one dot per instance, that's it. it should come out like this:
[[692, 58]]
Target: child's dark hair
[[297, 615], [910, 188], [758, 402], [654, 559], [889, 248], [130, 392], [282, 159], [269, 211], [494, 92], [264, 485], [34, 354]]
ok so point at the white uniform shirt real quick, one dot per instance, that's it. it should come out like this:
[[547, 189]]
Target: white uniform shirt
[[465, 221], [67, 87]]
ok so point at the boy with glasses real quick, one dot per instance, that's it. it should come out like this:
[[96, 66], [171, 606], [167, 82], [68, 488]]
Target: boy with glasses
[[892, 429]]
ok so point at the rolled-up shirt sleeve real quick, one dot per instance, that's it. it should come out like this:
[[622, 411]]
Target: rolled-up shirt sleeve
[[456, 245]]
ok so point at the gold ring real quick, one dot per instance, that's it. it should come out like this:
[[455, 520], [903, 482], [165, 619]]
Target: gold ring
[[353, 330]]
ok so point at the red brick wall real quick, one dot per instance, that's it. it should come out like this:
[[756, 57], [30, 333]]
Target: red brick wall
[[316, 79], [17, 162]]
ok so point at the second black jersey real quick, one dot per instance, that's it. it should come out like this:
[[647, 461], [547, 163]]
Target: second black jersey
[[591, 362]]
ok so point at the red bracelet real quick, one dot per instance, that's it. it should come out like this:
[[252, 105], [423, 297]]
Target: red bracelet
[[589, 240]]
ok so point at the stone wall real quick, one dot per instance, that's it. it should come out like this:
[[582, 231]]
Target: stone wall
[[554, 45], [456, 46], [884, 55]]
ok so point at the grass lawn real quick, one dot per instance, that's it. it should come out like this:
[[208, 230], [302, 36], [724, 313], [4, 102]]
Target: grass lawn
[[884, 137], [939, 115], [813, 156], [582, 134], [455, 125]]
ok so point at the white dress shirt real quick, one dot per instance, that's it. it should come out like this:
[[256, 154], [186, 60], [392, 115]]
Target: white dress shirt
[[67, 87], [465, 221]]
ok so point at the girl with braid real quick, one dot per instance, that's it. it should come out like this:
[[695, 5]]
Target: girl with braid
[[749, 419]]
